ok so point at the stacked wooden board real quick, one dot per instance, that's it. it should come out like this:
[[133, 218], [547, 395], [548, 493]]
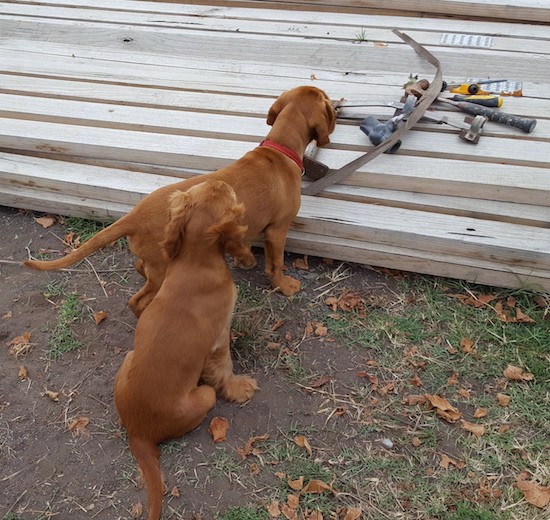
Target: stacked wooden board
[[103, 102]]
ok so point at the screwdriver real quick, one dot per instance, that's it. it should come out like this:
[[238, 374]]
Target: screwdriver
[[486, 101]]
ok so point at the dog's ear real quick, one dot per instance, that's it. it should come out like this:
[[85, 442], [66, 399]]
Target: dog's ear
[[325, 125], [180, 210], [276, 108], [230, 227]]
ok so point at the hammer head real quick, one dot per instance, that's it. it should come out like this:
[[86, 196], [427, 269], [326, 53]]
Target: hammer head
[[473, 134]]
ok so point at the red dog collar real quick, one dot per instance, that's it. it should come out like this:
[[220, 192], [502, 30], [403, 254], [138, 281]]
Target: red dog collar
[[284, 150]]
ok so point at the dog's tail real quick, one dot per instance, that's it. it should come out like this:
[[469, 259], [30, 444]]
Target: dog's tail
[[108, 235], [147, 456]]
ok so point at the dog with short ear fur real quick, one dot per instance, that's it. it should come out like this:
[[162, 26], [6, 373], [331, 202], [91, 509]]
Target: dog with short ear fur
[[267, 180], [181, 360]]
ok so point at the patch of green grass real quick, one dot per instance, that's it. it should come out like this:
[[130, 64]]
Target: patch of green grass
[[244, 513], [55, 288], [62, 338], [469, 511], [361, 36], [85, 228]]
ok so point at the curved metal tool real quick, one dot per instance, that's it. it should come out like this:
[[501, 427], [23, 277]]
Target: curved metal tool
[[429, 96]]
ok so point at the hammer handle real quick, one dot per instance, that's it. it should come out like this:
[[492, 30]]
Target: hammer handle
[[525, 124]]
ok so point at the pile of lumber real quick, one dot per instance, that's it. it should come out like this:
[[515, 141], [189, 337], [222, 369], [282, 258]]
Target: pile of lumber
[[103, 102]]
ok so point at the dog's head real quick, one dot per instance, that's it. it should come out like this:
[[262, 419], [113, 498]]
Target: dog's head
[[209, 212], [313, 104]]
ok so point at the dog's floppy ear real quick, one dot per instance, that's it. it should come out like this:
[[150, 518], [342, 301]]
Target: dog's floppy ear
[[180, 210], [230, 227], [325, 125], [276, 108]]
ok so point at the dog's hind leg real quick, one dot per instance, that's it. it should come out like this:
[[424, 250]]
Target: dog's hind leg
[[194, 407], [218, 372], [275, 239]]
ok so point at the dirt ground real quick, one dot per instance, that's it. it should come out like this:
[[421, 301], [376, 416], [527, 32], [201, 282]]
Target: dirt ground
[[49, 471]]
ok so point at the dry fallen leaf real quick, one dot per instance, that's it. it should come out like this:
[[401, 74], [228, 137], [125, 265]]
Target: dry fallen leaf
[[288, 512], [416, 381], [453, 380], [463, 392], [23, 373], [137, 510], [480, 412], [534, 493], [316, 486], [273, 509], [517, 374], [249, 446], [78, 426], [416, 442], [7, 316], [301, 263], [477, 429], [175, 492], [353, 513], [480, 300], [446, 461], [99, 317], [467, 345], [302, 442], [315, 515], [411, 400], [218, 429], [54, 396], [45, 222], [293, 501], [20, 345], [347, 301], [503, 399], [443, 408], [297, 484], [320, 329]]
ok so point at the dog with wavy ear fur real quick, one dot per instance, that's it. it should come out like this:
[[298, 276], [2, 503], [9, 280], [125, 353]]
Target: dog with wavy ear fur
[[181, 360], [267, 180]]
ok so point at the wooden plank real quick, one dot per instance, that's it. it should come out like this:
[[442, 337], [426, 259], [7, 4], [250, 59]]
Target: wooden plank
[[298, 13], [53, 23], [126, 187], [305, 243]]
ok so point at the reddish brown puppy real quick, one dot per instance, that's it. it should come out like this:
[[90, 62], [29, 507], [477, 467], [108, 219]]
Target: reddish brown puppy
[[181, 360], [267, 180]]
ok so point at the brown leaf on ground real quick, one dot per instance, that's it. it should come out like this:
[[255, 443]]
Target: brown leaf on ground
[[175, 492], [137, 510], [451, 350], [273, 346], [503, 399], [517, 374], [249, 448], [280, 474], [480, 412], [443, 408], [78, 426], [71, 240], [320, 329], [353, 513], [413, 399], [534, 494], [288, 512], [477, 301], [218, 429], [503, 428], [302, 442], [314, 515], [541, 301], [54, 396], [416, 442], [23, 373], [20, 345], [373, 380], [297, 484], [347, 301], [7, 316], [254, 469], [453, 380], [521, 317], [416, 381], [317, 486], [447, 461], [273, 509], [301, 263], [99, 316], [45, 222], [463, 392], [362, 374], [277, 325], [323, 380], [506, 315], [293, 501], [467, 345], [477, 429]]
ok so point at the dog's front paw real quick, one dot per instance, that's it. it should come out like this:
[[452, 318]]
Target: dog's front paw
[[288, 285], [246, 262], [240, 389]]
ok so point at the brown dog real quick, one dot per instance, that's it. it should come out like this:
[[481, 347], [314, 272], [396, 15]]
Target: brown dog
[[183, 336], [267, 180]]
